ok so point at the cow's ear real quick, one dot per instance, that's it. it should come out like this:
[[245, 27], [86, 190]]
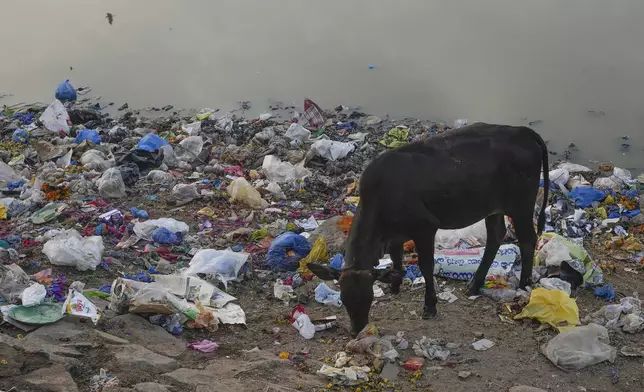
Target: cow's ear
[[323, 272], [383, 275]]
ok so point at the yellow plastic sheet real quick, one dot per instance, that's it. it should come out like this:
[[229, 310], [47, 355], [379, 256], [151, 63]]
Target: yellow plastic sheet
[[317, 253], [3, 212], [553, 307]]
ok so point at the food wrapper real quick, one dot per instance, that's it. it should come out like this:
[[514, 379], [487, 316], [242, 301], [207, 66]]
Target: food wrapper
[[77, 304]]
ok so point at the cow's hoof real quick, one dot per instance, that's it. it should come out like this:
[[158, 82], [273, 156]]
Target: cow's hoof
[[395, 288], [472, 289], [429, 313]]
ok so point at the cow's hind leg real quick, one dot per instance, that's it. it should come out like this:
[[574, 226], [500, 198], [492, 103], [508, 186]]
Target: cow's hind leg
[[527, 237], [495, 226], [396, 252], [425, 247]]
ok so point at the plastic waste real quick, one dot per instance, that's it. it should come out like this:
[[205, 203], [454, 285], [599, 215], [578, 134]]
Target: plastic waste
[[65, 91], [223, 264], [555, 284], [554, 307], [324, 295], [55, 118], [460, 123], [159, 177], [96, 160], [7, 174], [283, 291], [560, 177], [205, 346], [151, 142], [65, 160], [337, 262], [164, 236], [13, 281], [347, 375], [461, 264], [574, 167], [33, 295], [317, 253], [189, 148], [69, 249], [585, 196], [473, 234], [111, 184], [192, 129], [605, 292], [396, 137], [77, 304], [500, 295], [137, 213], [302, 322], [297, 132], [313, 114], [145, 229], [483, 345], [240, 190], [332, 150], [414, 363], [431, 349], [607, 183], [283, 172], [275, 190], [579, 347], [88, 134], [20, 136], [581, 262], [576, 181], [555, 253], [277, 258], [184, 193]]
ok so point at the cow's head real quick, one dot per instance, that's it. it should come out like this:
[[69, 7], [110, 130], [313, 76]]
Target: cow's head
[[356, 290]]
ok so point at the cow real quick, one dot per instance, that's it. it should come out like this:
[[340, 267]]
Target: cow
[[447, 181]]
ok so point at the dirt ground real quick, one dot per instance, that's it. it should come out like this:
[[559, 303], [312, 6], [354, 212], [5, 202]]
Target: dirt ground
[[514, 360]]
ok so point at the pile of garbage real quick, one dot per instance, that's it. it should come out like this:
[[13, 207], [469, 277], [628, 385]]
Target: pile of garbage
[[275, 193]]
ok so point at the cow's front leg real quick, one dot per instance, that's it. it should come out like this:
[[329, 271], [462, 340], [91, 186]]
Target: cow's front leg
[[425, 248], [395, 250]]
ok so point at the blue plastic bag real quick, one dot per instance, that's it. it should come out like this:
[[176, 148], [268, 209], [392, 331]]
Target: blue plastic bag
[[337, 262], [151, 142], [277, 258], [88, 134], [137, 213], [606, 292], [20, 136], [325, 295], [164, 236], [584, 196], [65, 91]]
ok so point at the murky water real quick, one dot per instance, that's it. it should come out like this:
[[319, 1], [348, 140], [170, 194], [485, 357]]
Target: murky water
[[496, 60]]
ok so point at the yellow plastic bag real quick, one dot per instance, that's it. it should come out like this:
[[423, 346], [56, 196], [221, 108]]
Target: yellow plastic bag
[[317, 253], [240, 190], [3, 212], [554, 307]]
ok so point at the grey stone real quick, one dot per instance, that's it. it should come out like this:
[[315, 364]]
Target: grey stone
[[463, 375], [140, 331], [60, 332], [637, 219], [141, 359], [110, 339], [151, 387], [14, 359], [333, 236], [55, 353], [525, 388], [51, 379], [203, 379]]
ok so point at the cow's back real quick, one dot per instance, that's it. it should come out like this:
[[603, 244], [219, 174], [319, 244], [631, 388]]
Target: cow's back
[[460, 176]]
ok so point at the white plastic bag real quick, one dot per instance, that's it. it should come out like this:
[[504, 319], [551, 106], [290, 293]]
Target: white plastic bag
[[574, 168], [555, 253], [297, 132], [77, 304], [560, 177], [144, 230], [283, 291], [111, 184], [223, 264], [96, 160], [240, 190], [189, 148], [280, 172], [578, 347], [461, 264], [275, 190], [192, 129], [185, 193], [324, 295], [448, 239], [55, 117], [304, 326], [555, 284], [159, 177], [332, 150], [33, 295], [69, 249], [607, 183], [65, 160]]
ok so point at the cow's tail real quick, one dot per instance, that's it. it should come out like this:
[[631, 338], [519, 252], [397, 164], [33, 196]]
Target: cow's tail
[[541, 222]]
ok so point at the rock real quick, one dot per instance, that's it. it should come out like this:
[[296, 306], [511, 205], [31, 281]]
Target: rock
[[51, 379], [332, 234], [204, 378], [139, 358], [464, 375], [525, 388], [14, 359], [110, 339], [140, 331], [41, 351], [63, 331], [638, 219], [479, 335], [150, 387]]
